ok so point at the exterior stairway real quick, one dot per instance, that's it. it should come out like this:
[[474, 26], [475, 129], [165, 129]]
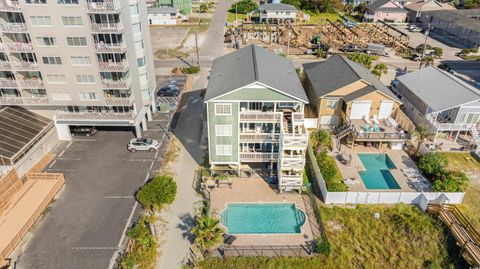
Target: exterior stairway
[[475, 135], [343, 130]]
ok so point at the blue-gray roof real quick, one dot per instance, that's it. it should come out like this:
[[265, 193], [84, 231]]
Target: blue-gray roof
[[440, 90], [253, 64], [276, 6]]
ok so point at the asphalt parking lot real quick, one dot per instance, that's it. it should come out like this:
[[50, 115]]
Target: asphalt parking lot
[[85, 226]]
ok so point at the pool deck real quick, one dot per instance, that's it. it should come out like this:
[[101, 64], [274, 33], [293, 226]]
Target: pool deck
[[256, 190], [399, 157]]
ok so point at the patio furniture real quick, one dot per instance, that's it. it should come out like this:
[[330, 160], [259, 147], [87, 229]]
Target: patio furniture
[[367, 121], [229, 239], [376, 128], [345, 158], [367, 127], [375, 120], [392, 122], [350, 181]]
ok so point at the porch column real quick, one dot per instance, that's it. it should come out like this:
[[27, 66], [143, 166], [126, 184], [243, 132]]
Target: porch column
[[144, 123], [138, 130], [456, 137], [149, 114]]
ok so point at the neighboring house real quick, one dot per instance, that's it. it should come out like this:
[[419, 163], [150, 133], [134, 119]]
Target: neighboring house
[[460, 26], [416, 8], [163, 15], [351, 100], [276, 13], [368, 2], [185, 6], [255, 104], [385, 10], [440, 101]]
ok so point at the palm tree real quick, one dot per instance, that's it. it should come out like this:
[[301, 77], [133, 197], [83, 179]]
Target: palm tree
[[207, 232], [427, 60], [380, 69], [421, 133]]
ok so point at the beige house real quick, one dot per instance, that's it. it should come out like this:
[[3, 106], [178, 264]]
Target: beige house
[[351, 100]]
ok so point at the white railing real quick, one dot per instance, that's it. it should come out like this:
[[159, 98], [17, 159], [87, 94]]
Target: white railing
[[453, 126], [260, 116], [14, 100], [18, 46], [292, 162], [107, 27], [5, 65], [8, 83], [92, 115], [259, 136], [294, 140], [13, 27], [258, 157], [116, 84], [298, 118], [6, 5], [113, 66], [105, 6], [24, 66], [290, 181], [111, 48], [119, 100], [28, 83]]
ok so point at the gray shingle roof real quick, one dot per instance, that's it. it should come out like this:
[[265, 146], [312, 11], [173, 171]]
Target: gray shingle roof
[[277, 6], [459, 17], [161, 10], [378, 6], [440, 90], [337, 72], [253, 64]]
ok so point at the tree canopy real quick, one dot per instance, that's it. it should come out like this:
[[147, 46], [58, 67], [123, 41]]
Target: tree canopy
[[244, 6]]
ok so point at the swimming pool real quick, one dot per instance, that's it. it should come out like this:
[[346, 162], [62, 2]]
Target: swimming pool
[[377, 175], [262, 218]]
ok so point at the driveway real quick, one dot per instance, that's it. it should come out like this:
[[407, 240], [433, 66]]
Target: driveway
[[85, 227]]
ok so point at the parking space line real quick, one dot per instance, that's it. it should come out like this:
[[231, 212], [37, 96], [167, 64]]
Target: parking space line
[[139, 160], [119, 197], [50, 166], [84, 140], [95, 248], [61, 170], [69, 159]]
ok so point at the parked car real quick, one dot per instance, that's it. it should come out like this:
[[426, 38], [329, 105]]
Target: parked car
[[84, 131], [351, 48], [171, 91], [143, 144], [414, 28]]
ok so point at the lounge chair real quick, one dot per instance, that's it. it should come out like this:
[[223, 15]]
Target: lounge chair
[[393, 123], [345, 158], [375, 119], [367, 127], [376, 128]]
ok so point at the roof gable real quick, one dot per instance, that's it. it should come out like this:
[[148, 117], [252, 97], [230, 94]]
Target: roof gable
[[255, 92]]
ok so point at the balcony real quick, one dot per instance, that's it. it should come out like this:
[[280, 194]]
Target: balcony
[[18, 100], [18, 46], [94, 115], [13, 27], [116, 84], [259, 137], [258, 156], [294, 140], [260, 116], [119, 100], [293, 162], [453, 126], [9, 6], [107, 27], [291, 180], [107, 6], [8, 83], [31, 83], [24, 66], [298, 118], [111, 48], [113, 66]]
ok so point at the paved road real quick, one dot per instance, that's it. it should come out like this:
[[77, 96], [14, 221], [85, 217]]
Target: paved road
[[212, 45]]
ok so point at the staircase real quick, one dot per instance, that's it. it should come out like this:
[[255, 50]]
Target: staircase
[[475, 135], [343, 130], [287, 122]]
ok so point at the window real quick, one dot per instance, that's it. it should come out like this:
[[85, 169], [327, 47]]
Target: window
[[46, 41], [41, 20], [72, 21], [223, 130], [224, 150], [223, 109], [36, 2], [56, 79], [134, 9], [80, 60], [139, 45], [88, 96], [136, 28], [52, 60], [84, 79], [77, 41], [141, 62], [332, 103], [61, 96], [67, 2]]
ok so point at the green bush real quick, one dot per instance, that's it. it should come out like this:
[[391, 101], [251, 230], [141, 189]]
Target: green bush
[[208, 234], [361, 58], [327, 167], [191, 70], [143, 251], [438, 52], [451, 181], [244, 6], [322, 246], [322, 139], [160, 190], [433, 164]]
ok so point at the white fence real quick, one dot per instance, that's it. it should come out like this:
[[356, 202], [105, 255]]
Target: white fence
[[310, 123], [380, 197]]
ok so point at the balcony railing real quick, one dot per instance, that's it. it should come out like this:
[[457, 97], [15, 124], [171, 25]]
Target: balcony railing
[[116, 84], [119, 100], [6, 5], [24, 66], [258, 157], [93, 115], [111, 48], [18, 100], [298, 118], [293, 162], [379, 136], [13, 27], [259, 136], [30, 83], [8, 83], [260, 116], [107, 27], [4, 65], [105, 6], [294, 140], [113, 66], [18, 46], [453, 126], [291, 180]]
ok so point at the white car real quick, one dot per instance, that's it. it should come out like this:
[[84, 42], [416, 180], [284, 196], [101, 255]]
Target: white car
[[143, 144]]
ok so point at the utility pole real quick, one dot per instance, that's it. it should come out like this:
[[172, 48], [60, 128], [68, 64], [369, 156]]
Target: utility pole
[[427, 32], [196, 48], [236, 12], [288, 40]]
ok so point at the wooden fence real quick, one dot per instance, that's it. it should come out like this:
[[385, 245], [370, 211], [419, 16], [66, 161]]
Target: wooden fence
[[42, 164], [266, 251], [9, 185]]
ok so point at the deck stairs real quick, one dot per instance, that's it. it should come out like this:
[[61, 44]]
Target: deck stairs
[[475, 135], [287, 122], [343, 130]]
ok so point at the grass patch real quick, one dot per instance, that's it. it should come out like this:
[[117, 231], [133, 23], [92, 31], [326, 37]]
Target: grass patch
[[231, 16], [471, 57], [403, 237], [338, 176], [170, 155], [471, 203], [321, 18]]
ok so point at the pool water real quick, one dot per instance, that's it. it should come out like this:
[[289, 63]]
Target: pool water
[[377, 175], [259, 218]]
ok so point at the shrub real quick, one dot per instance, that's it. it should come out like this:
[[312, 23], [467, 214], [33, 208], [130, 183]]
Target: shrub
[[203, 8], [322, 246], [322, 139], [361, 58], [207, 232], [321, 53], [244, 6], [438, 52], [191, 70], [433, 164], [143, 251], [160, 190], [451, 181]]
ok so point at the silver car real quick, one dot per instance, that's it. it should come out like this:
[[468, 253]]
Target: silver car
[[143, 144]]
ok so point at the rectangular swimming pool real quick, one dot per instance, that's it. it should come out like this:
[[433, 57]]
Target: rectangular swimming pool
[[262, 218], [377, 175]]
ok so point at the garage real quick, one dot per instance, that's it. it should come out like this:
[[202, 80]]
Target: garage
[[385, 109], [330, 120], [360, 110]]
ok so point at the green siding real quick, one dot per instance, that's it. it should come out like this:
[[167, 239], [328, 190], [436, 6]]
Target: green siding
[[256, 94], [223, 140]]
